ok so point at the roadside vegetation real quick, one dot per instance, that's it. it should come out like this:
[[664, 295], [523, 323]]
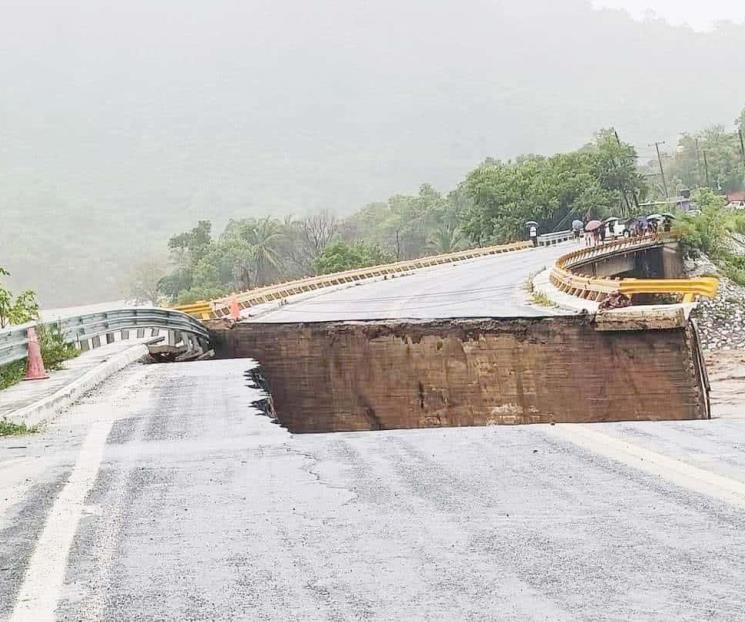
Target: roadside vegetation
[[537, 297], [23, 308], [714, 233], [489, 206], [8, 428]]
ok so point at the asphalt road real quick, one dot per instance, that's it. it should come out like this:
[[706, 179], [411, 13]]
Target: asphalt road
[[165, 496], [488, 286]]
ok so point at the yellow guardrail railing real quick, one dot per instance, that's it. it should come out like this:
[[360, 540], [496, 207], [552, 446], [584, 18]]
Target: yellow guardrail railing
[[201, 310], [221, 307], [704, 286], [587, 254], [565, 278]]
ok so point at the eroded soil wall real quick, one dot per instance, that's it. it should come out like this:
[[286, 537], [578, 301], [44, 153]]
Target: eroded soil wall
[[344, 376]]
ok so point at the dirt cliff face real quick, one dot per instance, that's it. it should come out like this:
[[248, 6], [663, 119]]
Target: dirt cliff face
[[344, 376]]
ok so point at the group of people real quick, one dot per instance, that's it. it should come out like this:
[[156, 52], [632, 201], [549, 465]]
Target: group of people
[[596, 232]]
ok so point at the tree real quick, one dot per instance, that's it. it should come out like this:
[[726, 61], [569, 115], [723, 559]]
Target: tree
[[17, 309], [192, 245], [318, 230], [711, 158], [707, 231], [143, 283], [264, 238], [341, 256], [595, 181], [447, 238], [406, 225]]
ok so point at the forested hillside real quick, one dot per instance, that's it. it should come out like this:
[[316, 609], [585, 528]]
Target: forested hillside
[[122, 123]]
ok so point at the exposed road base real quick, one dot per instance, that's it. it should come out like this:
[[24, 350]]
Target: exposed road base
[[377, 375]]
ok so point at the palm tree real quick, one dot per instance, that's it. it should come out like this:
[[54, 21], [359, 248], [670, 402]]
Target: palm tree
[[265, 236], [447, 238]]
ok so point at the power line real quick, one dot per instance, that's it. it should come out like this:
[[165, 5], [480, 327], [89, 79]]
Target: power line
[[662, 170]]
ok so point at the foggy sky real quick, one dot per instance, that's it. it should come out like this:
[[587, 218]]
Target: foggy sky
[[697, 14], [122, 123]]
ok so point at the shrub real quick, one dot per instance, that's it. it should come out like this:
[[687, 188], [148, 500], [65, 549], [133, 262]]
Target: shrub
[[54, 349]]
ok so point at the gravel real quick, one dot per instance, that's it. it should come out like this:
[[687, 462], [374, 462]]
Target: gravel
[[721, 321]]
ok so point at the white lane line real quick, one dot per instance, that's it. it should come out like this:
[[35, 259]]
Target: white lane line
[[676, 471], [37, 599]]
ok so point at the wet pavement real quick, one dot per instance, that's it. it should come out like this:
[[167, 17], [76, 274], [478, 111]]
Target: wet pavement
[[165, 496]]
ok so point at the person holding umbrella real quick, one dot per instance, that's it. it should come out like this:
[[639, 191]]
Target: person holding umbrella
[[593, 227], [577, 226], [533, 231]]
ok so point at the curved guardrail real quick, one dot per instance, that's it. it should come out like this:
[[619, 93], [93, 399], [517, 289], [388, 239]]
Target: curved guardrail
[[567, 277], [95, 329], [262, 295]]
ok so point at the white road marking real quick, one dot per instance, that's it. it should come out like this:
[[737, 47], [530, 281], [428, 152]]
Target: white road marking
[[37, 599], [676, 471]]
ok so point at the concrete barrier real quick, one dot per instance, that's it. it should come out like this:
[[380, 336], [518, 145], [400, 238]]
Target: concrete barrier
[[345, 376]]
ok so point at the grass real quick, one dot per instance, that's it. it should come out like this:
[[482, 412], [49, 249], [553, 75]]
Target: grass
[[540, 299], [537, 297], [8, 428], [529, 285], [12, 373], [54, 351]]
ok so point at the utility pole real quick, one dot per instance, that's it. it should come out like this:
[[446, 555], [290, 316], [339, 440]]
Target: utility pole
[[662, 170], [623, 184], [742, 147], [706, 168]]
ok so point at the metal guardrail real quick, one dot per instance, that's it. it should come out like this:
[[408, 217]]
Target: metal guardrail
[[95, 329], [547, 239], [221, 307], [631, 244], [703, 286], [566, 277]]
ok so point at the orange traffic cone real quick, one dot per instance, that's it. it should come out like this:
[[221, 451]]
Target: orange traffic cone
[[35, 364], [235, 309]]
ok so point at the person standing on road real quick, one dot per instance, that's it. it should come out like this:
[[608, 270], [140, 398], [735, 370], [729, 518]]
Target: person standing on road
[[534, 235], [601, 234], [577, 229]]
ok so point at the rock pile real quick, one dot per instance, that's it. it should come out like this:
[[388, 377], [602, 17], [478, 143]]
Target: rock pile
[[721, 321]]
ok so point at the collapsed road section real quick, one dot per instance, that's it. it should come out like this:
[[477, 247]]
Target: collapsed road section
[[375, 375]]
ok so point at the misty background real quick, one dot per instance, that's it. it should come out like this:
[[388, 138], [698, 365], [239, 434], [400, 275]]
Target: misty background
[[124, 123]]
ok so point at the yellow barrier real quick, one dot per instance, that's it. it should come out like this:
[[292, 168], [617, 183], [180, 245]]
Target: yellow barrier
[[201, 310], [706, 286], [221, 307], [597, 289]]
